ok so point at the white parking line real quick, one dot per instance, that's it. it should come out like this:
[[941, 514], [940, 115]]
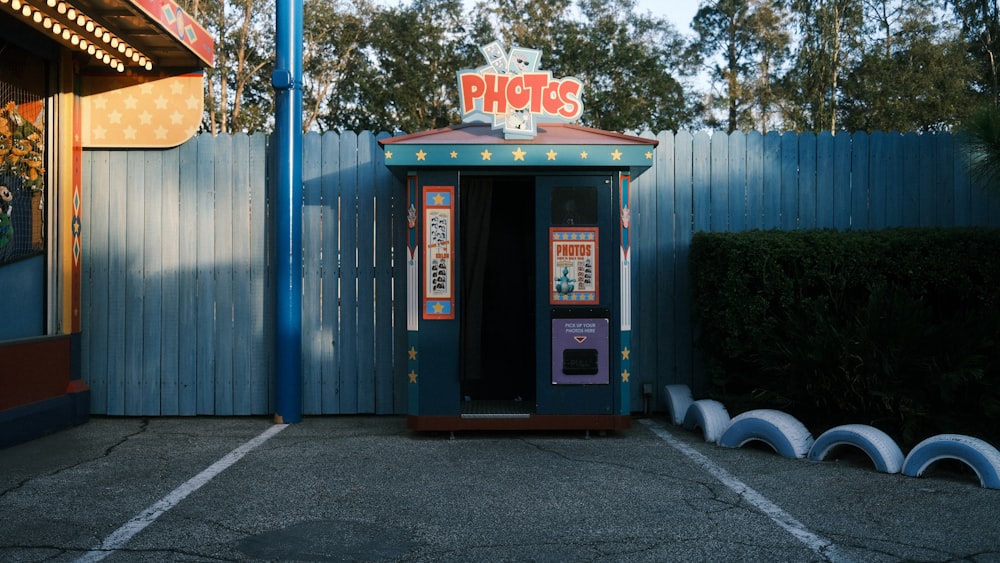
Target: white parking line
[[122, 535], [818, 544]]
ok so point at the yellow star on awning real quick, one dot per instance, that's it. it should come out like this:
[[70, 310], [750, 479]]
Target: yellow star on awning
[[625, 353], [583, 155], [412, 352], [649, 155], [625, 375], [413, 376], [486, 154], [551, 154], [518, 154], [617, 155], [421, 155], [388, 155], [454, 154]]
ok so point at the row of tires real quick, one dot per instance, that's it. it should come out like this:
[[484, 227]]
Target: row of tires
[[791, 439]]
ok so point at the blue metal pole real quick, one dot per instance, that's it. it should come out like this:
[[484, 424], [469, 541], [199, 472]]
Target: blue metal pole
[[287, 82]]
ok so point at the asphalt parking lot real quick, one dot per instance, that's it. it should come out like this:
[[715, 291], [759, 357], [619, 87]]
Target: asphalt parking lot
[[367, 489]]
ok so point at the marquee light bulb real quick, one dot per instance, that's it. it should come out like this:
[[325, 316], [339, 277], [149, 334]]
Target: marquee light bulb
[[71, 13], [15, 4], [26, 11], [61, 7]]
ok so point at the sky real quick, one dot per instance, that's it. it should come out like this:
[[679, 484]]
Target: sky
[[679, 12]]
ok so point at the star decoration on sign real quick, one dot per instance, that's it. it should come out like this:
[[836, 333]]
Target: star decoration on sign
[[625, 375], [625, 353], [649, 155], [388, 155], [551, 154], [412, 352], [617, 155], [413, 376], [454, 154], [519, 154], [421, 155], [486, 154], [583, 155]]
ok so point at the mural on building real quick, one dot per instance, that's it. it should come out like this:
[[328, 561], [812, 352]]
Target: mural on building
[[22, 155]]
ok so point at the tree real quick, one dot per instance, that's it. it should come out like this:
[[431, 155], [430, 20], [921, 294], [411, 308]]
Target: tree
[[980, 23], [626, 62], [238, 94], [913, 75], [828, 35], [745, 40]]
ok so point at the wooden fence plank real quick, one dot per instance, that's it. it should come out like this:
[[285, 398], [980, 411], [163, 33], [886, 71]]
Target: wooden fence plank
[[789, 211], [205, 268], [860, 181], [95, 285], [841, 185], [348, 382], [187, 303], [384, 382], [755, 180], [366, 274], [824, 157], [330, 268], [737, 172], [644, 287], [243, 340], [716, 184], [313, 341], [910, 187], [223, 267], [152, 284], [170, 327], [262, 313], [772, 170]]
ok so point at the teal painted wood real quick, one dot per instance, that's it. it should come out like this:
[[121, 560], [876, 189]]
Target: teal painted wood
[[716, 184], [825, 194], [928, 201], [152, 285], [643, 210], [960, 183], [943, 153], [789, 210], [117, 287], [95, 296], [384, 381], [808, 200], [170, 265], [262, 306], [366, 274], [684, 209], [204, 230], [243, 338], [860, 176], [223, 266], [134, 198], [755, 180], [840, 182], [772, 181], [314, 340], [187, 284], [910, 187], [895, 181], [879, 164], [737, 151], [348, 382], [330, 269]]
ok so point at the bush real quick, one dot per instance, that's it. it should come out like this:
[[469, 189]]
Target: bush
[[898, 328]]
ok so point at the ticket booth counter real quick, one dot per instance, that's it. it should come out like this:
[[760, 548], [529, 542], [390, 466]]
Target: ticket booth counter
[[518, 269]]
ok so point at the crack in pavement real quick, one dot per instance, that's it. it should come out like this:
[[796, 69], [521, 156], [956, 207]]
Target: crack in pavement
[[143, 426]]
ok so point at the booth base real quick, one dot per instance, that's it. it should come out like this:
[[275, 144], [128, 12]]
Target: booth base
[[594, 422]]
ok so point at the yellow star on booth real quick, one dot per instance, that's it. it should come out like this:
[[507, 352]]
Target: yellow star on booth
[[625, 375], [625, 353], [551, 154], [649, 155], [438, 199], [388, 155], [421, 155], [519, 154], [486, 154], [412, 352], [454, 154], [617, 155], [438, 308], [413, 376], [583, 155]]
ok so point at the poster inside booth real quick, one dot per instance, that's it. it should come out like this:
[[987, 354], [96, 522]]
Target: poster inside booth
[[573, 271], [439, 260]]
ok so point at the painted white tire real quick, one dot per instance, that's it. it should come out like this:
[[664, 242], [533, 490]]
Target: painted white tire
[[782, 431], [983, 458], [709, 416], [678, 398], [877, 445]]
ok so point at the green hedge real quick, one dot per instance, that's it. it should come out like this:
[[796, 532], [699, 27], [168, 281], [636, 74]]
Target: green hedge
[[899, 328]]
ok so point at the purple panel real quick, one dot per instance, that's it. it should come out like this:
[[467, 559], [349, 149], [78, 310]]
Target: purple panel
[[580, 351]]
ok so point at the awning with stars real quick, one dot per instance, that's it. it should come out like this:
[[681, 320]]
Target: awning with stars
[[557, 145]]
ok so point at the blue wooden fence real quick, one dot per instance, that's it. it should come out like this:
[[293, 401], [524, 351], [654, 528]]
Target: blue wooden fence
[[177, 289]]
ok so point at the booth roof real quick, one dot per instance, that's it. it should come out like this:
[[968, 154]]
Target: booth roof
[[548, 134], [555, 145]]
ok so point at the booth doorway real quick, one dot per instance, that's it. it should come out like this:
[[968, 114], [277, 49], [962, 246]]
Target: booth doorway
[[498, 285]]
